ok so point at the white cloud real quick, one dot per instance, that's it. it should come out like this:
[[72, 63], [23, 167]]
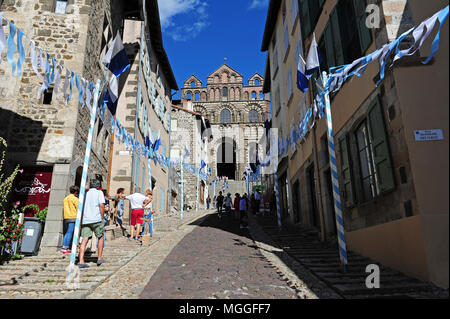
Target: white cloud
[[259, 4], [198, 17]]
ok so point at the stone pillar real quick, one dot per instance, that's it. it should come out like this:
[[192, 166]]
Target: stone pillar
[[53, 231]]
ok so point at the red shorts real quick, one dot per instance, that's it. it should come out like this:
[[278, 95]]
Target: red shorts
[[136, 216]]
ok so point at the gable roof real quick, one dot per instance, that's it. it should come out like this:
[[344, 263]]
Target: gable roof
[[191, 78], [256, 75], [225, 66]]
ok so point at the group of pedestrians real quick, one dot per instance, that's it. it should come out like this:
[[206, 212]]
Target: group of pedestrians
[[95, 216], [241, 205]]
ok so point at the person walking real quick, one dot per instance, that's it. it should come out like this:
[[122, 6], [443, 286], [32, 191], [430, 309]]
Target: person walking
[[253, 203], [243, 206], [138, 201], [208, 201], [257, 202], [93, 214], [237, 198], [120, 208], [220, 199], [70, 205], [228, 204], [106, 216]]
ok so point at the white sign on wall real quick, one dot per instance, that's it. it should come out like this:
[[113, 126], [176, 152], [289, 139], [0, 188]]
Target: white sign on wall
[[428, 135]]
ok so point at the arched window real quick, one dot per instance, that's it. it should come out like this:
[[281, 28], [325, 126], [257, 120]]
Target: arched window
[[188, 96], [192, 84], [225, 116], [253, 116], [197, 96], [257, 82], [261, 95], [253, 95], [225, 92], [246, 96]]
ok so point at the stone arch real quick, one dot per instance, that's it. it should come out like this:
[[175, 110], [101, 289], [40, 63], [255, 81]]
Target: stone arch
[[231, 94], [253, 116], [188, 95], [203, 96], [216, 78], [224, 77], [211, 94], [246, 96]]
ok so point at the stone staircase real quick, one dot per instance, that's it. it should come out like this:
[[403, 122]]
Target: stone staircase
[[322, 259]]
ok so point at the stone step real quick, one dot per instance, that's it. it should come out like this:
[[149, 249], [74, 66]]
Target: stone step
[[362, 279], [47, 287], [326, 275], [89, 272], [361, 289]]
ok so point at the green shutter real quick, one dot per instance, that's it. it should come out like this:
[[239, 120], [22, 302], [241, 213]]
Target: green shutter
[[305, 19], [365, 37], [380, 147], [329, 47], [346, 174], [336, 35]]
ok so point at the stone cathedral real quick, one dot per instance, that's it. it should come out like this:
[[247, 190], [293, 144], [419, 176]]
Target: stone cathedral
[[236, 113]]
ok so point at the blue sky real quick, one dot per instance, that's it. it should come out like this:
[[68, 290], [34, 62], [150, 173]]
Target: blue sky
[[199, 34]]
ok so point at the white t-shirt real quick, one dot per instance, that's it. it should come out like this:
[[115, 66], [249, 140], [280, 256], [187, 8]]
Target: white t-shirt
[[136, 200], [91, 213]]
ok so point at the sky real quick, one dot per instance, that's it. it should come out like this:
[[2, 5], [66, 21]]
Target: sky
[[199, 34]]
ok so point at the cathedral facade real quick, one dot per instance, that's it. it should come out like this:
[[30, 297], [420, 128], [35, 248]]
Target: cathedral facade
[[236, 113]]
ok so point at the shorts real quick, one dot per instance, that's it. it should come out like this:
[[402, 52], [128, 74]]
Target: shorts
[[136, 216], [119, 217], [96, 228]]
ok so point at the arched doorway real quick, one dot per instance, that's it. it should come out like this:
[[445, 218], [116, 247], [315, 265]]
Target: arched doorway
[[226, 158]]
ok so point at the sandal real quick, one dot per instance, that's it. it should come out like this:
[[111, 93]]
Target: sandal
[[83, 266]]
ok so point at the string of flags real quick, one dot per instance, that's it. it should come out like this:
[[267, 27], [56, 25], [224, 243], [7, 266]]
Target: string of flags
[[339, 74], [149, 150]]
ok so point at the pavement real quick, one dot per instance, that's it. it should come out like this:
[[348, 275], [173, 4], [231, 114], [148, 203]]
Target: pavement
[[203, 256]]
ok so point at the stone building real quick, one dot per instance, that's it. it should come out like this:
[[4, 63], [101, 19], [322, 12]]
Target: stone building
[[190, 130], [144, 106], [236, 113], [394, 192], [47, 137]]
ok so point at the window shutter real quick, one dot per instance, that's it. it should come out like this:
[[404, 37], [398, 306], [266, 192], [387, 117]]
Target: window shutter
[[380, 147], [336, 35], [348, 193], [365, 37], [329, 47], [306, 21]]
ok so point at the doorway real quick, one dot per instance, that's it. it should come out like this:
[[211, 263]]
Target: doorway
[[226, 158]]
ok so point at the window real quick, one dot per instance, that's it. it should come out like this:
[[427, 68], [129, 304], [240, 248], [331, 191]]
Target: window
[[60, 6], [346, 36], [225, 92], [310, 13], [197, 96], [257, 82], [47, 97], [192, 84], [289, 84], [253, 116], [373, 158], [294, 11], [189, 96], [225, 116], [261, 95], [286, 41], [254, 95]]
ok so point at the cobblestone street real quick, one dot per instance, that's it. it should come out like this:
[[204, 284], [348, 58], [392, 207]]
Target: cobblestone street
[[217, 260]]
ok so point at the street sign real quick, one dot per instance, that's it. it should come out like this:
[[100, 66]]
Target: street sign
[[428, 135]]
